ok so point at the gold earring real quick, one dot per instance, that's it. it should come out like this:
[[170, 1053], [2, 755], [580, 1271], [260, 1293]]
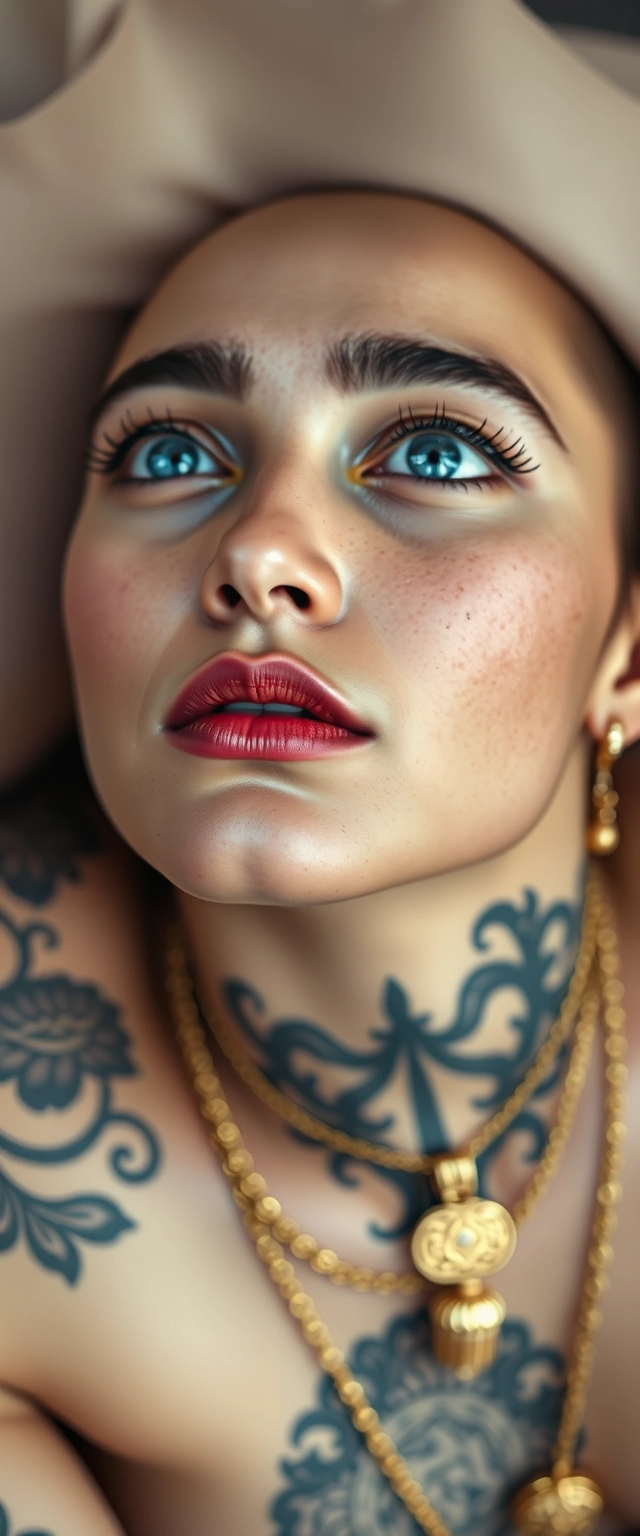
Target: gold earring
[[603, 834]]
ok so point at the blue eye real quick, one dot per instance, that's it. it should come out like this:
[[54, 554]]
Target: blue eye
[[173, 456], [436, 456]]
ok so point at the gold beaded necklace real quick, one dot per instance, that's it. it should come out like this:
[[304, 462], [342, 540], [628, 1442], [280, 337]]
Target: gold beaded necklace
[[564, 1501], [461, 1242]]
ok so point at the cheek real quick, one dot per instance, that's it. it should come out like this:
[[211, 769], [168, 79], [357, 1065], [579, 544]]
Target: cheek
[[117, 613], [499, 637]]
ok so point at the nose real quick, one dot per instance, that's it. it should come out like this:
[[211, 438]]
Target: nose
[[275, 559]]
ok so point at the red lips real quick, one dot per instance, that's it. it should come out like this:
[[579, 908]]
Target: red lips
[[200, 720]]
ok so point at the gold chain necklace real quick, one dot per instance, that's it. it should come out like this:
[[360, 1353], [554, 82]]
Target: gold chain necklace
[[564, 1501], [420, 1162], [457, 1245], [261, 1209]]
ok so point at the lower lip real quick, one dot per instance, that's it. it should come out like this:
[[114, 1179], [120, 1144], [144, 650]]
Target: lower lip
[[278, 738]]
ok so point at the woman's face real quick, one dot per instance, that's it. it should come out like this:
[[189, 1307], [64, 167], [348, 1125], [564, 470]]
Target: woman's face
[[377, 482]]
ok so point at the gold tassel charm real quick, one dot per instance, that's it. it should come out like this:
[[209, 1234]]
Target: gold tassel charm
[[602, 832], [456, 1245], [465, 1327], [563, 1506]]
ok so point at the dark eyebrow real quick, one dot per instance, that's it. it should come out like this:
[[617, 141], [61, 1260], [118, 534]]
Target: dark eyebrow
[[216, 367], [359, 363]]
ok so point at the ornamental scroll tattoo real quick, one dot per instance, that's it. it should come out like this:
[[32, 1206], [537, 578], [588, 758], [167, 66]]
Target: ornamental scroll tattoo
[[470, 1445], [62, 1045], [543, 942]]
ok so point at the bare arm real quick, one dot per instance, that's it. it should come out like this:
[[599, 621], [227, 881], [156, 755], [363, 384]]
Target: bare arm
[[44, 1488]]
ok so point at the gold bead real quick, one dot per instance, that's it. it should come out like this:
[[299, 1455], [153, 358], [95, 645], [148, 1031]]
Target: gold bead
[[268, 1209], [285, 1230], [304, 1246], [205, 1082], [609, 1194], [352, 1393], [299, 1305], [240, 1162], [362, 1279], [281, 1269], [602, 839], [254, 1186], [341, 1275], [331, 1358], [316, 1332], [379, 1443], [289, 1288], [324, 1261], [365, 1419], [215, 1111], [386, 1283], [268, 1249]]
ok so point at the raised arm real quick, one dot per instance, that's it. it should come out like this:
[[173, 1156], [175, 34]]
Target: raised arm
[[44, 1488]]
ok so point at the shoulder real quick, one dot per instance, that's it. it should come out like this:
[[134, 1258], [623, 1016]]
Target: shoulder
[[72, 897], [81, 1030]]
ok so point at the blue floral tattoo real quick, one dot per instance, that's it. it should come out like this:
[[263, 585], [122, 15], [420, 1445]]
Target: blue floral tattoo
[[470, 1445], [7, 1530], [60, 1041], [45, 830], [410, 1043]]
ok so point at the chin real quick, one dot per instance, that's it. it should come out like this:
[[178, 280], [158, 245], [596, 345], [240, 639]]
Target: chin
[[243, 848], [274, 843], [253, 858]]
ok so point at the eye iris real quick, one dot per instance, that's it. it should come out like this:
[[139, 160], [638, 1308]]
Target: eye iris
[[434, 458], [172, 456]]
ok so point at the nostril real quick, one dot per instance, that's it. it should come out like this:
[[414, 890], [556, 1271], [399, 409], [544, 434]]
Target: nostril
[[300, 598], [231, 595]]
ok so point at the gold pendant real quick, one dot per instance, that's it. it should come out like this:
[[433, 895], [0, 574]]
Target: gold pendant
[[456, 1245], [568, 1506], [465, 1327]]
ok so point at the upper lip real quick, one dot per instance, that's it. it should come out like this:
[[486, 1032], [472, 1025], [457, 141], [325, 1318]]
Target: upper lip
[[233, 677]]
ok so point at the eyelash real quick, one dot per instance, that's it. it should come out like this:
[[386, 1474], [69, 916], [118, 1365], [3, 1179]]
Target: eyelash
[[512, 457], [105, 461]]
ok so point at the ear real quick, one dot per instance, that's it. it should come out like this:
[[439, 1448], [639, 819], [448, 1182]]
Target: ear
[[615, 691]]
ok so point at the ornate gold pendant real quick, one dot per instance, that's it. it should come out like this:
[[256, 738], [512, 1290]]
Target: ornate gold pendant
[[455, 1246], [570, 1506]]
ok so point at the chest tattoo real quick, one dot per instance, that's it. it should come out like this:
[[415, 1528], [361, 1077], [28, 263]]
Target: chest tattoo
[[409, 1045], [471, 1445]]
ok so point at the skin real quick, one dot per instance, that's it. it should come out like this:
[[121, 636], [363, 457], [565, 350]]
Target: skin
[[481, 636], [478, 616]]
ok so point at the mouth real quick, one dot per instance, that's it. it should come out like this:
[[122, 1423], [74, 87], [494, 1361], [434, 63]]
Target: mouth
[[268, 707]]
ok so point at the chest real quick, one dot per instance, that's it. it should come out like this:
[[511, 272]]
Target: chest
[[176, 1357]]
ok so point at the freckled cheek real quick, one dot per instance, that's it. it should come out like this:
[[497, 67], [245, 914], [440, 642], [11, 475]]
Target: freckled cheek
[[118, 616], [502, 627]]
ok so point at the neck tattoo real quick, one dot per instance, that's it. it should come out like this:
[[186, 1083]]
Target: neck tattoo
[[466, 1322]]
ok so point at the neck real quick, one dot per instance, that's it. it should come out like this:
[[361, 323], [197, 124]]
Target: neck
[[415, 1009]]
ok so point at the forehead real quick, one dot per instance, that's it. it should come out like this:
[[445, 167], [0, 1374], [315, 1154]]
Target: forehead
[[295, 275]]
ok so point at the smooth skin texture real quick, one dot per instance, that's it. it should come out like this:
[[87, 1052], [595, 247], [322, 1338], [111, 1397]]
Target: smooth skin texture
[[442, 614], [480, 635]]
